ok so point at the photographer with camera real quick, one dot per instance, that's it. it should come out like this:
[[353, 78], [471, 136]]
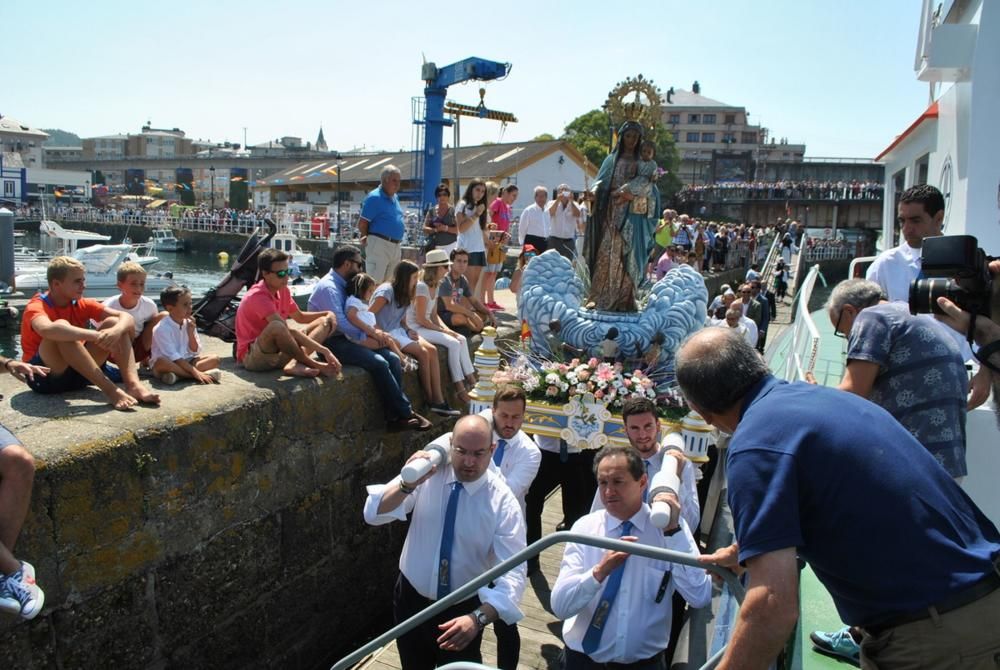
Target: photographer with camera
[[921, 216], [985, 333]]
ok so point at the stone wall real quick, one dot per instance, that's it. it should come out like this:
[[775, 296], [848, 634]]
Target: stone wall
[[221, 530]]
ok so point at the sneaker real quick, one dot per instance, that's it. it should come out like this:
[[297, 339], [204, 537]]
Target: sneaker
[[18, 596], [442, 409], [27, 572], [215, 374], [838, 644], [495, 307], [168, 378]]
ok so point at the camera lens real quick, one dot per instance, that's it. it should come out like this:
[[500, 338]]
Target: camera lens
[[925, 292]]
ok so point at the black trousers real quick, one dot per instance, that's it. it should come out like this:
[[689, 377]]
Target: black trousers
[[508, 644], [540, 243], [418, 649], [576, 660], [575, 476]]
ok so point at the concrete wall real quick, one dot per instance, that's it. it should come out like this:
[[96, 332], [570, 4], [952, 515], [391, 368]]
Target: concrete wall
[[220, 530]]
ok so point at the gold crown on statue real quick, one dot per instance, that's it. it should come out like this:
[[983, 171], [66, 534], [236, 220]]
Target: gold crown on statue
[[636, 100]]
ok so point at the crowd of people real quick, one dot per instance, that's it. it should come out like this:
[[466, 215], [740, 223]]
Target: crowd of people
[[782, 190], [803, 481]]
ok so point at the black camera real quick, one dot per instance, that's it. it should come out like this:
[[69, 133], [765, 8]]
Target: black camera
[[956, 268]]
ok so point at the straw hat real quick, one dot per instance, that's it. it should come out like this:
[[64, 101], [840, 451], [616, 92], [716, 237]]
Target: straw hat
[[437, 258]]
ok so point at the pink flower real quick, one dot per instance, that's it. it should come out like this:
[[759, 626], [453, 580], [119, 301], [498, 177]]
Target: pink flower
[[636, 373], [627, 383], [583, 375], [563, 369], [605, 374], [592, 362], [599, 395], [573, 363]]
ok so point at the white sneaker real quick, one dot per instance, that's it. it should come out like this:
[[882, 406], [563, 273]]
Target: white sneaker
[[168, 378], [18, 596], [215, 374]]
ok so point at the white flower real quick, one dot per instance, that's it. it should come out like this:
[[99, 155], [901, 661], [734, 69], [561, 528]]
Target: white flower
[[563, 386], [552, 379]]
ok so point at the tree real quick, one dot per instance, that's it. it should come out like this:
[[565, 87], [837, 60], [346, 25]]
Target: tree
[[591, 135], [544, 137]]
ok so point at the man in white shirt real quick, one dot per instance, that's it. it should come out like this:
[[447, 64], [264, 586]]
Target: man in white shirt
[[615, 606], [533, 225], [516, 460], [465, 520], [920, 214], [642, 428], [564, 220]]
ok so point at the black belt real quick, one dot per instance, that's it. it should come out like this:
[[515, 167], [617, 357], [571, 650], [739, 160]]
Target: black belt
[[621, 666], [384, 237], [980, 589]]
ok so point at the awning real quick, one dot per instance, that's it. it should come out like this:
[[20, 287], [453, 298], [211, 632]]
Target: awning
[[156, 203]]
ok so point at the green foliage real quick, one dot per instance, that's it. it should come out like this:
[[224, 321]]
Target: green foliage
[[61, 138], [590, 133], [544, 137]]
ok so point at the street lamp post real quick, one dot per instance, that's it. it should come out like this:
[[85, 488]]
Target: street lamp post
[[211, 171], [340, 196]]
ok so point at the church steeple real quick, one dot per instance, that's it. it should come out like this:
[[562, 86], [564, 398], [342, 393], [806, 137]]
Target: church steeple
[[321, 141]]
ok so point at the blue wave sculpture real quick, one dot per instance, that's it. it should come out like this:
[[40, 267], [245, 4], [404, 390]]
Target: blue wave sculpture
[[550, 289]]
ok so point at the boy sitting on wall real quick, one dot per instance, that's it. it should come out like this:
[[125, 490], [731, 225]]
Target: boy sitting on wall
[[176, 345], [55, 334], [132, 284]]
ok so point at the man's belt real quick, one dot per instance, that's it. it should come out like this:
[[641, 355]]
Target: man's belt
[[383, 237], [644, 663], [966, 596]]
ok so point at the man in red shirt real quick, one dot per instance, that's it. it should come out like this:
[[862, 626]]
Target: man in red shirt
[[264, 340], [55, 333]]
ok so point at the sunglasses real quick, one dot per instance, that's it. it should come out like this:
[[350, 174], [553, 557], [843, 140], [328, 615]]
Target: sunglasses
[[280, 273]]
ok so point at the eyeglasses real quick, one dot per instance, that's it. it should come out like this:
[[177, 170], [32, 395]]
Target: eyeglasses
[[280, 273], [836, 328]]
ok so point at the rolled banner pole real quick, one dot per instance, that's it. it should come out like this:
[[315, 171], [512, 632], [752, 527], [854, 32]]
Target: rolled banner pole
[[664, 481], [418, 467]]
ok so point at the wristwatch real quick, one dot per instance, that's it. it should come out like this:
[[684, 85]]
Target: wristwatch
[[480, 617]]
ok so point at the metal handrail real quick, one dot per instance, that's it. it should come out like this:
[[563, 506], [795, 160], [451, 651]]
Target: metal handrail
[[468, 589]]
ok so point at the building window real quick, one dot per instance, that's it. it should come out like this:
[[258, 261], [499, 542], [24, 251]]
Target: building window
[[694, 118], [708, 119], [708, 137], [693, 137], [749, 138], [923, 165], [675, 118], [729, 138], [677, 136], [730, 119]]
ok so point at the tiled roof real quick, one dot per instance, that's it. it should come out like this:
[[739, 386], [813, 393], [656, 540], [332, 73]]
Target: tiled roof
[[487, 161]]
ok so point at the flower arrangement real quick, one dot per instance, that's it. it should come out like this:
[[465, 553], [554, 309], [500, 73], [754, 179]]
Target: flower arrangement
[[556, 382]]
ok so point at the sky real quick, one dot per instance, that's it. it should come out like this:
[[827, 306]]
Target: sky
[[837, 76]]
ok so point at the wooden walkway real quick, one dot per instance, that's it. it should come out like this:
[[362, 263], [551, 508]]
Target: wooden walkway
[[541, 645]]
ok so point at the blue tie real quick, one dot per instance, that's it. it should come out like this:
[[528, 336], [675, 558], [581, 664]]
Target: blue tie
[[645, 491], [447, 539], [592, 638], [498, 454]]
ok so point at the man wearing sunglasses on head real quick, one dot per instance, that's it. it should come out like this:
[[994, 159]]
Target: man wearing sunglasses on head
[[264, 340]]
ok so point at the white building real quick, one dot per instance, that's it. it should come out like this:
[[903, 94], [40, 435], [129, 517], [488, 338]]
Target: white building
[[954, 143], [24, 141]]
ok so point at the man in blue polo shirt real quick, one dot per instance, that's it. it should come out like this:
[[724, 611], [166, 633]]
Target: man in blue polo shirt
[[383, 365], [831, 477], [381, 226]]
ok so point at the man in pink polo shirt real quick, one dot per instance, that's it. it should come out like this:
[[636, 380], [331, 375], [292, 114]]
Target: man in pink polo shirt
[[264, 340]]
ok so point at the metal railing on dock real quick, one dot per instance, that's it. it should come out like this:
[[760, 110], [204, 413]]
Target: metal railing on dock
[[470, 588]]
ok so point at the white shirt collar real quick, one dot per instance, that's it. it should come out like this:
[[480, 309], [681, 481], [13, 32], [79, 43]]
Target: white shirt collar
[[470, 487]]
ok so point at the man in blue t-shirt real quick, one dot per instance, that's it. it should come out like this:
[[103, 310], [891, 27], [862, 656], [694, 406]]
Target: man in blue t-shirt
[[386, 370], [381, 226], [832, 478]]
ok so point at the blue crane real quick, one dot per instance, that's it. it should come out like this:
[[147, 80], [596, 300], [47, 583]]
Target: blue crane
[[437, 81]]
